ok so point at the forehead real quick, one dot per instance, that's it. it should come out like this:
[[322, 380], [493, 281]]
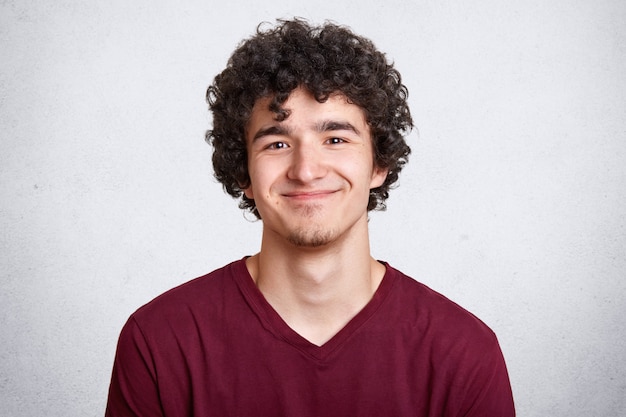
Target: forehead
[[302, 109]]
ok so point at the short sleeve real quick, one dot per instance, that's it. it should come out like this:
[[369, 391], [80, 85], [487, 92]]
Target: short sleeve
[[133, 390], [494, 396]]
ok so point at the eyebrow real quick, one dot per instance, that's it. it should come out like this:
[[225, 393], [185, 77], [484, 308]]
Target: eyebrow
[[277, 130], [331, 125], [323, 126]]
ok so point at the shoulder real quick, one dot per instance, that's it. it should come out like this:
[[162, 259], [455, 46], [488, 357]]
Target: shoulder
[[432, 314], [459, 347], [195, 297]]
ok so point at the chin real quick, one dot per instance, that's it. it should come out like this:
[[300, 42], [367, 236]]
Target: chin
[[311, 238]]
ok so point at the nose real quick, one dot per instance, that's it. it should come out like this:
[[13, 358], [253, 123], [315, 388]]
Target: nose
[[307, 164]]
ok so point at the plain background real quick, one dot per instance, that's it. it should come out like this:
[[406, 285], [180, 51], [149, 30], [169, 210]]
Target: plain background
[[513, 203]]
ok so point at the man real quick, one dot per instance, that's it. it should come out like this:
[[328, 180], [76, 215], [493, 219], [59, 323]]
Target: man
[[308, 131]]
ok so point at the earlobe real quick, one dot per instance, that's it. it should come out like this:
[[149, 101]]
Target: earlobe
[[378, 177], [248, 192]]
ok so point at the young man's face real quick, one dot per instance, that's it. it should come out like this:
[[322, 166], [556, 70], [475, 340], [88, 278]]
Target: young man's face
[[311, 174]]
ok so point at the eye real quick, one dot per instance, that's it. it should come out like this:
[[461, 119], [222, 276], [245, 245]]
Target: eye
[[277, 145], [334, 141]]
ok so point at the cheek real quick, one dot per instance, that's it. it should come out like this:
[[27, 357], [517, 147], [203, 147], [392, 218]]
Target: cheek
[[260, 180], [360, 168], [253, 179]]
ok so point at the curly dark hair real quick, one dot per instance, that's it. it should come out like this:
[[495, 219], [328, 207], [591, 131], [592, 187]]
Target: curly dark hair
[[325, 60]]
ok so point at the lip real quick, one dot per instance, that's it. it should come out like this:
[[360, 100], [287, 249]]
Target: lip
[[309, 195]]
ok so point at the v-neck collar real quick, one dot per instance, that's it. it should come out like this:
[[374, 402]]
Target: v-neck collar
[[276, 325]]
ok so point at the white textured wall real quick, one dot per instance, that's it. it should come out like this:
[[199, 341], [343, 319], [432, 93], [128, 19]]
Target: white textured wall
[[514, 202]]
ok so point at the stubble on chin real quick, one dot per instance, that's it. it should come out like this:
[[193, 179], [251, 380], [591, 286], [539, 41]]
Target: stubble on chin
[[312, 235], [307, 238]]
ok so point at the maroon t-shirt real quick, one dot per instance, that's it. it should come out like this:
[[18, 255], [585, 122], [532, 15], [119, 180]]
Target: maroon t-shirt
[[215, 347]]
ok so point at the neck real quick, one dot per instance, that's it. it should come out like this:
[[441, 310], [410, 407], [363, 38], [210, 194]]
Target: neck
[[317, 290]]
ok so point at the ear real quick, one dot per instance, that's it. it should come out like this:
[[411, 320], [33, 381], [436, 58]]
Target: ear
[[248, 192], [379, 175]]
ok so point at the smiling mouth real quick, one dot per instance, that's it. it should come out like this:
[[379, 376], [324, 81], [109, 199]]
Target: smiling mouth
[[309, 195]]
